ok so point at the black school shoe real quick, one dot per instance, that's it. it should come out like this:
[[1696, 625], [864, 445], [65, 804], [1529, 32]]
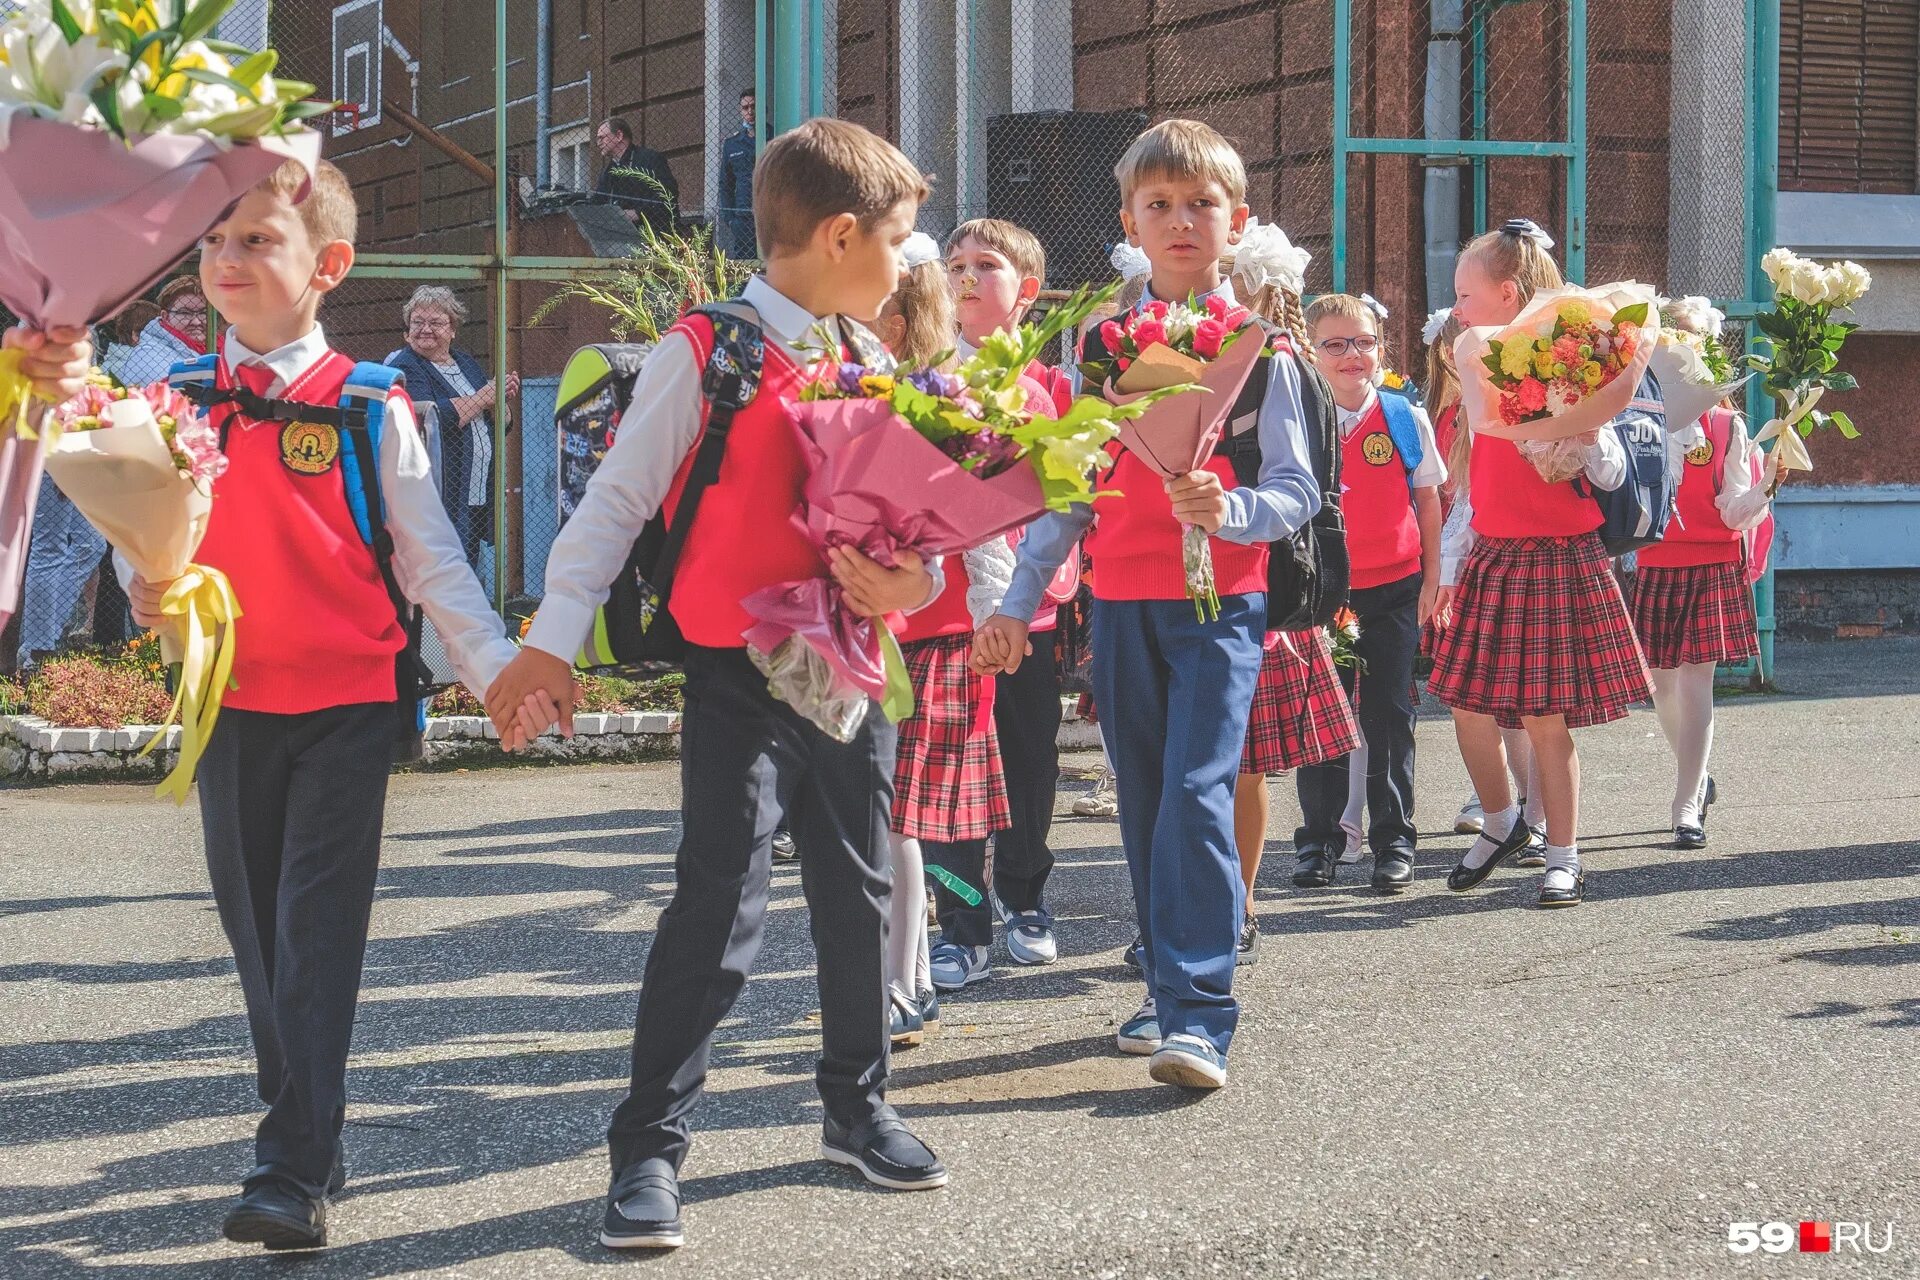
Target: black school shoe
[[643, 1208], [1463, 877], [1314, 870], [1565, 897], [885, 1153], [1249, 949], [277, 1214], [1393, 871]]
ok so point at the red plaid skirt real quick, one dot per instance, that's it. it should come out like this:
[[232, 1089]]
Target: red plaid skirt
[[1698, 613], [1540, 629], [1301, 715], [947, 779]]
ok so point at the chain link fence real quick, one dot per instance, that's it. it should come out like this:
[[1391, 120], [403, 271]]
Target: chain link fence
[[1018, 108]]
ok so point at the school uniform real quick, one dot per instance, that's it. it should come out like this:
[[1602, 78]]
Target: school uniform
[[1301, 714], [1384, 550], [1175, 691], [1539, 625], [1691, 598], [293, 782], [747, 759]]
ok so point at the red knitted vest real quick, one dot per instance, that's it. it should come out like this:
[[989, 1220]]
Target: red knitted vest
[[1383, 536], [1510, 500], [1699, 534]]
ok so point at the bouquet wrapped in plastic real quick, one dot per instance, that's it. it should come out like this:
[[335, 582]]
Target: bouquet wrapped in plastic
[[125, 131], [918, 460], [1568, 364], [140, 465], [1802, 360]]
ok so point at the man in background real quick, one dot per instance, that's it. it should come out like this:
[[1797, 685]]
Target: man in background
[[637, 179], [734, 212]]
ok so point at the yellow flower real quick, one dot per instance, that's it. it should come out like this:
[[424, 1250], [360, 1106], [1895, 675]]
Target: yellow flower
[[1575, 312], [1516, 360], [1591, 373], [1543, 363], [876, 385]]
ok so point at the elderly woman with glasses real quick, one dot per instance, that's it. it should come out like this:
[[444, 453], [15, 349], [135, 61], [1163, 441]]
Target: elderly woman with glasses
[[450, 379], [176, 335]]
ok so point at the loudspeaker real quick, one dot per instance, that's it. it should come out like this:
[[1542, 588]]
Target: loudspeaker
[[1052, 173]]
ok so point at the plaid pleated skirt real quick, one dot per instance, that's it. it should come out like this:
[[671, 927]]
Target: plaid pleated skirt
[[947, 779], [1694, 613], [1301, 715], [1540, 629]]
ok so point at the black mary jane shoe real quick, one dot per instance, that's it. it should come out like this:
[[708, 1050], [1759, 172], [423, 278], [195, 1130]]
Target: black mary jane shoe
[[1464, 877], [1686, 836], [1565, 897], [1315, 869]]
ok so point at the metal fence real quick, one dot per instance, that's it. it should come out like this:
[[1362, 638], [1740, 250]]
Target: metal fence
[[1378, 133]]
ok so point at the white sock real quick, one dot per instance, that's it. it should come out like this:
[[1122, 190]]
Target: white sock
[[1563, 866], [1497, 828], [1536, 794]]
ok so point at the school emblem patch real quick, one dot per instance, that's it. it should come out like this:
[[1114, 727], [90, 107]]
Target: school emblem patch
[[309, 448], [1701, 454], [1377, 448]]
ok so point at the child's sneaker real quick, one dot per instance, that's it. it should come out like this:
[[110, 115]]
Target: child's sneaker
[[1135, 956], [1140, 1034], [1355, 848], [783, 847], [1189, 1062], [1249, 949], [1030, 938], [1535, 854], [930, 1010], [953, 966], [1104, 802], [1470, 819], [906, 1027]]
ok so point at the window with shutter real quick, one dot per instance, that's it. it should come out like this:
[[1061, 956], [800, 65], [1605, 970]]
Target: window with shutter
[[1849, 106]]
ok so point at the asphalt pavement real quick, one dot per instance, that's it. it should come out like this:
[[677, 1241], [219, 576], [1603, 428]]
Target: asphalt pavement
[[1423, 1086]]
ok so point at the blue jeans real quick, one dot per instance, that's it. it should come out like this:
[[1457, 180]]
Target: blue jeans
[[1174, 694], [63, 554]]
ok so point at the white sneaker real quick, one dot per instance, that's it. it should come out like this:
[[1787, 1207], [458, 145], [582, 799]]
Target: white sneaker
[[1355, 849], [1104, 802], [952, 966], [1190, 1062], [1140, 1034], [1030, 938], [1471, 818]]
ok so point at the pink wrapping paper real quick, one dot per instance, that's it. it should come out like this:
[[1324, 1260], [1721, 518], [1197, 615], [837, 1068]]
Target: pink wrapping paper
[[877, 485], [1177, 435], [88, 224], [1480, 399]]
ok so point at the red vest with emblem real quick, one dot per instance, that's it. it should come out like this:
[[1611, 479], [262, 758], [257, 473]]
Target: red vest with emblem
[[743, 537], [1383, 535], [948, 615], [1698, 534], [1136, 543], [317, 628], [1510, 500]]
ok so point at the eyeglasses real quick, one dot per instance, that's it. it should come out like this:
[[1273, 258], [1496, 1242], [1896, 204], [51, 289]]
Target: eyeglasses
[[187, 313], [428, 326], [1365, 345]]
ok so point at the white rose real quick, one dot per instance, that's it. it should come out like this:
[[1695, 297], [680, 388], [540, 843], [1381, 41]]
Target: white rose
[[1807, 282], [1853, 282], [1778, 265]]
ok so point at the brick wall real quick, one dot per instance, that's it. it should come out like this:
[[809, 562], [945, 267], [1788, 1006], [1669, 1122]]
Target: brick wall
[[1846, 603]]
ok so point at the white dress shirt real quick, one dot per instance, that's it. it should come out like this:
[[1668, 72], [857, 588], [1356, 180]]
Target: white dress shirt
[[656, 432], [428, 562]]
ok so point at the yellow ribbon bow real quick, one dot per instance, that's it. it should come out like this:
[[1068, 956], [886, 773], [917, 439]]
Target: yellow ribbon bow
[[202, 599], [16, 389]]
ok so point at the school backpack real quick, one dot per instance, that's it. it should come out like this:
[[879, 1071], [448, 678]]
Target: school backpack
[[635, 627], [1636, 514], [360, 418], [1403, 430], [1308, 575], [1756, 544]]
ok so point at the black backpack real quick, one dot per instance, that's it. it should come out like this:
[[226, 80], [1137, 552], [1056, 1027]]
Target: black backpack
[[1636, 514], [635, 627]]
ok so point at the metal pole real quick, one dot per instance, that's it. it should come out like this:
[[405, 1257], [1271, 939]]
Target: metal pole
[[1342, 122], [543, 95], [502, 310], [1478, 31], [816, 58], [762, 98], [789, 53], [1577, 135], [1763, 187]]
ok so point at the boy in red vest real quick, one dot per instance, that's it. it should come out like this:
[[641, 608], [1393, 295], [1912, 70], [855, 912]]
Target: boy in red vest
[[1390, 475], [293, 783], [833, 207], [1174, 690]]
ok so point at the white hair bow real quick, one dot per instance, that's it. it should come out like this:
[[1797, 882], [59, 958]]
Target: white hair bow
[[1374, 305], [1430, 331], [1696, 313], [1265, 257], [1129, 260], [1527, 229], [920, 249]]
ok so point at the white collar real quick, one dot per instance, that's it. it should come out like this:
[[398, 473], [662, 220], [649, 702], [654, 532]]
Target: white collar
[[789, 322], [1224, 292], [963, 350], [1350, 418], [286, 365]]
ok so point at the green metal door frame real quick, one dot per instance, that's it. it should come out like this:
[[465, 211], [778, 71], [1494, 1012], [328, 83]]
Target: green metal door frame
[[1477, 148]]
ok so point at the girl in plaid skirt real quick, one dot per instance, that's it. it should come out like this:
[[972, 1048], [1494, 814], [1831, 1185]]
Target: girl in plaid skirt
[[1692, 600], [1539, 636]]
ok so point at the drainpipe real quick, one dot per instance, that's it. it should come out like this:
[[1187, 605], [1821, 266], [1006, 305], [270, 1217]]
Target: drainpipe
[[543, 98], [1441, 120]]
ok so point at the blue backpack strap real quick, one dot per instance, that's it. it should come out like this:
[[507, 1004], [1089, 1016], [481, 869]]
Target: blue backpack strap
[[1401, 426], [197, 372], [367, 389]]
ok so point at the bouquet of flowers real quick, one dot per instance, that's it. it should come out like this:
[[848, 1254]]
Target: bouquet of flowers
[[1343, 634], [1568, 364], [1802, 360], [140, 464], [1197, 357], [124, 132], [916, 460]]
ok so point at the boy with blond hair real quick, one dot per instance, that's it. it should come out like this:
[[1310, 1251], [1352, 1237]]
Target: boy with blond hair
[[1174, 690], [329, 525], [833, 206]]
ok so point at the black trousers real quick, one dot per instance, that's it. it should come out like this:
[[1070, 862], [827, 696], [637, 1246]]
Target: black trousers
[[292, 807], [1389, 640], [745, 760], [1026, 715]]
